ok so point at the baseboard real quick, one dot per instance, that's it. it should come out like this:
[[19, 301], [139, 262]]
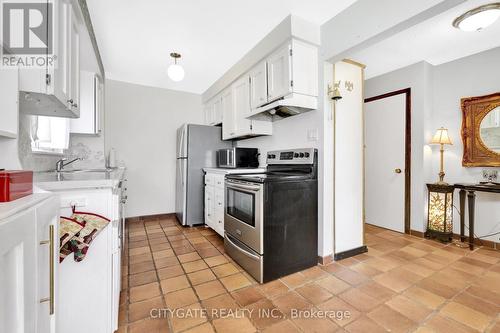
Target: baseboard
[[146, 218], [325, 260], [477, 241], [350, 253]]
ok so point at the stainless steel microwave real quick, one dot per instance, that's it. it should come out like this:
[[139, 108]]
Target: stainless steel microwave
[[237, 157]]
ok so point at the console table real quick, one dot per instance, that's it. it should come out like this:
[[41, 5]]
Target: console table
[[469, 191]]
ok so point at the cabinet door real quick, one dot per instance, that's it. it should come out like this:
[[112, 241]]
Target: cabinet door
[[258, 85], [217, 111], [18, 303], [88, 121], [207, 110], [9, 98], [229, 120], [60, 81], [279, 77], [74, 64], [209, 206], [47, 241], [241, 106]]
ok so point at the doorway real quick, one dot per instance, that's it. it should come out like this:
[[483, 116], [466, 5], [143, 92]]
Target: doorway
[[388, 160]]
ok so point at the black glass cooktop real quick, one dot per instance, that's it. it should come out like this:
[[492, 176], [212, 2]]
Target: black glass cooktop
[[271, 177]]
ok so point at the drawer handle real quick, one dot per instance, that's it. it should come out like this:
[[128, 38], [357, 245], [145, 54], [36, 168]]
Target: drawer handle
[[50, 242]]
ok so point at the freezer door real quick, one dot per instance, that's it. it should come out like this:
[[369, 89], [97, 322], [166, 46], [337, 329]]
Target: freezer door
[[182, 141], [181, 190]]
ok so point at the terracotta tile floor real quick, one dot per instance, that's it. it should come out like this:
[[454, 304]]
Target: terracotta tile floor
[[403, 284]]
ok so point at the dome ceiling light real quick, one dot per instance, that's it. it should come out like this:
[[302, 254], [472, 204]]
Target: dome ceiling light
[[175, 71], [478, 18]]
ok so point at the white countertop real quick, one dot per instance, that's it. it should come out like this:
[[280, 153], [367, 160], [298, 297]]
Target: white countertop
[[225, 171], [8, 209], [51, 181]]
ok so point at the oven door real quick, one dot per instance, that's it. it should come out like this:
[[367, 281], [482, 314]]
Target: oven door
[[243, 216]]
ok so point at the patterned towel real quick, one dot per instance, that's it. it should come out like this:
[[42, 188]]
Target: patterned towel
[[68, 228], [80, 242]]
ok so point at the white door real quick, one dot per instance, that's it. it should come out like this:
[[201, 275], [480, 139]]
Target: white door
[[229, 120], [258, 85], [241, 105], [74, 65], [18, 269], [217, 111], [279, 73], [385, 121]]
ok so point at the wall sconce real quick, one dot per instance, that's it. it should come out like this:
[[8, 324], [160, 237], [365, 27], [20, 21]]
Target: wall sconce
[[440, 212], [349, 86], [334, 92]]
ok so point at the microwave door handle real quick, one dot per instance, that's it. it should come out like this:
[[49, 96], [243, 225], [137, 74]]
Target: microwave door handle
[[228, 158], [248, 254]]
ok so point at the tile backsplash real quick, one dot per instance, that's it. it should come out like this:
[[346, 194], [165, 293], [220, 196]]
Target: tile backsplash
[[89, 148]]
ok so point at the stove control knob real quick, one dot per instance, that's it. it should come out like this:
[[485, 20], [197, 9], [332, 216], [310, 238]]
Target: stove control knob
[[307, 155], [301, 155], [269, 156], [296, 155]]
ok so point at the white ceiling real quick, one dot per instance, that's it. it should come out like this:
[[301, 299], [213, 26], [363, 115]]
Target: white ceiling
[[435, 41], [136, 37]]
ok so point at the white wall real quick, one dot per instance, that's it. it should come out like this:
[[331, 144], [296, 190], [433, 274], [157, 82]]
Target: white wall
[[415, 77], [141, 124], [436, 94], [349, 160], [475, 75]]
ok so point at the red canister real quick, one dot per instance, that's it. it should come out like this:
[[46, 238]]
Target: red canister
[[15, 184]]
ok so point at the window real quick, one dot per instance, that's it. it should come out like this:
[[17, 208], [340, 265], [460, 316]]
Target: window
[[49, 134]]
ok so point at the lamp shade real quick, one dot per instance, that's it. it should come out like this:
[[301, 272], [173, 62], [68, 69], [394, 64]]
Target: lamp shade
[[441, 137]]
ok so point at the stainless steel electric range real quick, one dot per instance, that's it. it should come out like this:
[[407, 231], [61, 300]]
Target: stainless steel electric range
[[271, 219]]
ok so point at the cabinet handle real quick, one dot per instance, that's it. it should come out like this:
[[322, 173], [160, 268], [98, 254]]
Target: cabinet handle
[[50, 242]]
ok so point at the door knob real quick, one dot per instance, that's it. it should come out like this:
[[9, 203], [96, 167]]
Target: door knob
[[398, 171]]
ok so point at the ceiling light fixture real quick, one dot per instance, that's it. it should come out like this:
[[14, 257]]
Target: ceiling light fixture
[[175, 72], [478, 18]]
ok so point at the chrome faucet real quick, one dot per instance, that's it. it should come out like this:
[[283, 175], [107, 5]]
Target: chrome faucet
[[60, 164]]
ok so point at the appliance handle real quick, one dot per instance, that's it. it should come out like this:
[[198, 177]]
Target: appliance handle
[[243, 187], [229, 159], [248, 254]]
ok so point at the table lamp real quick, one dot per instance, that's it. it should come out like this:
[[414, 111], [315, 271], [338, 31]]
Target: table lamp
[[441, 138]]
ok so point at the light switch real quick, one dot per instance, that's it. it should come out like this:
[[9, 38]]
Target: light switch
[[312, 134]]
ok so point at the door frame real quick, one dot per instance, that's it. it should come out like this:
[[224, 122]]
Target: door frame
[[407, 92]]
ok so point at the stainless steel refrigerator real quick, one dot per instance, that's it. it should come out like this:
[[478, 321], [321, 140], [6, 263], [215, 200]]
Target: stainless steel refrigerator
[[197, 146]]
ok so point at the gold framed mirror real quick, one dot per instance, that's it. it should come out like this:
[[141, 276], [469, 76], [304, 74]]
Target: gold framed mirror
[[481, 131]]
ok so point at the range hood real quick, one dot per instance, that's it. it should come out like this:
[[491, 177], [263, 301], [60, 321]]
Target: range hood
[[287, 106]]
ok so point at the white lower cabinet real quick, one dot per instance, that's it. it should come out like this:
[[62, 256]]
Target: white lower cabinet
[[214, 202], [29, 246]]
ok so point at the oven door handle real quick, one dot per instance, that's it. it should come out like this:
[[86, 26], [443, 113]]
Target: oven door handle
[[242, 187], [248, 254]]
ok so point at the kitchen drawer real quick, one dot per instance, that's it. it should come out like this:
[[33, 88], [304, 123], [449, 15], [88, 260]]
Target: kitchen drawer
[[219, 180], [219, 199], [209, 179]]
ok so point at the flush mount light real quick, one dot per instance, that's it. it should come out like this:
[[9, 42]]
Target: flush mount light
[[478, 18], [175, 72]]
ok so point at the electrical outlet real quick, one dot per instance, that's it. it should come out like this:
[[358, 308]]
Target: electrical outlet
[[312, 134], [490, 175]]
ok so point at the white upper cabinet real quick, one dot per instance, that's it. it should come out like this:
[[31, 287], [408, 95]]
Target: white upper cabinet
[[258, 85], [213, 111], [74, 64], [91, 104], [9, 97], [279, 73], [236, 106], [54, 90], [229, 121], [241, 99]]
